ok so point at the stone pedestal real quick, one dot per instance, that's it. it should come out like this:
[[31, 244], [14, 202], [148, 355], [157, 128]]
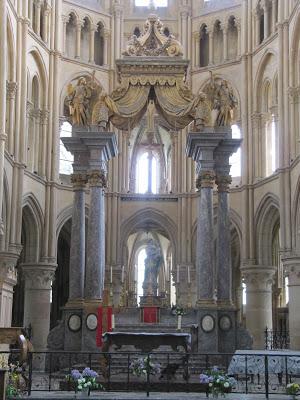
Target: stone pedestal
[[38, 282], [259, 280], [292, 269]]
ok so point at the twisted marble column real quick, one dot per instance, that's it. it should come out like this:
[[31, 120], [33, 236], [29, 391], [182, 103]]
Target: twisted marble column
[[77, 251], [95, 265], [205, 243]]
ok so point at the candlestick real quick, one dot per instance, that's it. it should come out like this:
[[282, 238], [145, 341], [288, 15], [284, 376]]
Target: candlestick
[[123, 271], [112, 321], [111, 274], [188, 274], [177, 280]]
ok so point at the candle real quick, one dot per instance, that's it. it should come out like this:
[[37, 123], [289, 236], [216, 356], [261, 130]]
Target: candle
[[177, 274], [122, 277], [112, 321], [110, 274], [188, 274]]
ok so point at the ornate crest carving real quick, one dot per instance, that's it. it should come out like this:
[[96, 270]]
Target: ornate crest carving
[[153, 42]]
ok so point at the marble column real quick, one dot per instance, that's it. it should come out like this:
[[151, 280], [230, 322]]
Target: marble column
[[259, 280], [106, 34], [225, 42], [38, 282], [211, 45], [77, 251], [95, 264], [292, 269], [197, 49], [3, 77], [223, 267], [266, 19], [8, 279]]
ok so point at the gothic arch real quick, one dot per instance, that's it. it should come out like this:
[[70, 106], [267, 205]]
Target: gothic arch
[[148, 218], [42, 75], [32, 228], [295, 51], [266, 219]]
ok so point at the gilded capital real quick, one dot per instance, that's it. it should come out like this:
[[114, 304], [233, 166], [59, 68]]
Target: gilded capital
[[79, 181], [97, 178], [223, 183], [205, 179]]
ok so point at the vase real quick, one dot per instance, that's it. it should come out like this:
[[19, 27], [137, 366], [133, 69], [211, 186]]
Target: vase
[[82, 394]]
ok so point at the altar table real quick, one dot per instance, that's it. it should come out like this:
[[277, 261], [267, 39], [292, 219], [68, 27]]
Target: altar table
[[279, 362], [145, 341]]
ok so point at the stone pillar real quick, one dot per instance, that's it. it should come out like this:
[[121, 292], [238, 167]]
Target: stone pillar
[[44, 123], [224, 270], [266, 19], [106, 34], [8, 279], [184, 16], [225, 42], [65, 19], [197, 49], [11, 94], [38, 6], [78, 39], [211, 45], [38, 283], [3, 76], [292, 269], [77, 251], [95, 264], [117, 24], [46, 25], [259, 280], [93, 29], [239, 37], [257, 28], [273, 16]]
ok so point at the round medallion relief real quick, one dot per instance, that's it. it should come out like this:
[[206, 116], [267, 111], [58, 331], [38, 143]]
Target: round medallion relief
[[207, 323], [225, 323], [74, 323], [91, 322]]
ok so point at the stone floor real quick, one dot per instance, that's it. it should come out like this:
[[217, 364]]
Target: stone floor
[[142, 396]]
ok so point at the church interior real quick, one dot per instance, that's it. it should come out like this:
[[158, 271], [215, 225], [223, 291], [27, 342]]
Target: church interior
[[149, 172]]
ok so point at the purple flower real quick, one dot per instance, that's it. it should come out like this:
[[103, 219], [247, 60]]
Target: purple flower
[[215, 369], [89, 373], [204, 378], [75, 374]]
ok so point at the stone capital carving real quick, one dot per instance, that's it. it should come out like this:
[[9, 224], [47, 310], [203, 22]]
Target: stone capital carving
[[205, 179], [106, 33], [38, 276], [223, 182], [291, 266], [258, 278], [11, 89], [294, 93], [79, 181], [44, 117], [97, 178]]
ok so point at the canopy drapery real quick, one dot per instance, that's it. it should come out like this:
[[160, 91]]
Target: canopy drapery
[[174, 101]]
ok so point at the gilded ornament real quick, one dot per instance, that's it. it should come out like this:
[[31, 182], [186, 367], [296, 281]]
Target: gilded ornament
[[97, 178]]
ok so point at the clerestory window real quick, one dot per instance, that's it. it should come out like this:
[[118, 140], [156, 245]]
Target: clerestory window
[[147, 3]]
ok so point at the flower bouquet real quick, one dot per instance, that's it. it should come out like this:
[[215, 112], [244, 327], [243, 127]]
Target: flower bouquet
[[218, 383], [85, 380], [144, 366], [293, 390]]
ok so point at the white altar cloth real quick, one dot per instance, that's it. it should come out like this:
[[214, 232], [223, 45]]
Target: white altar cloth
[[278, 362]]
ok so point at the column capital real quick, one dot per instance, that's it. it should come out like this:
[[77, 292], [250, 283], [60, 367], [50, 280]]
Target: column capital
[[294, 93], [97, 178], [223, 182], [38, 3], [38, 276], [11, 89], [65, 18], [79, 25], [44, 116], [79, 181], [196, 36], [258, 277], [205, 179], [224, 27], [8, 262], [106, 33], [291, 265]]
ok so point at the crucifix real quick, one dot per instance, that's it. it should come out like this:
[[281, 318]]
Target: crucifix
[[149, 145]]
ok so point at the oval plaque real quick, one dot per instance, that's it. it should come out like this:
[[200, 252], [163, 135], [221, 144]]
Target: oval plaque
[[225, 323], [74, 323], [207, 323], [91, 322]]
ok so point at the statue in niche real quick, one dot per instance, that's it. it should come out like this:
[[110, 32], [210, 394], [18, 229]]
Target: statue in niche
[[153, 262], [222, 100], [100, 115]]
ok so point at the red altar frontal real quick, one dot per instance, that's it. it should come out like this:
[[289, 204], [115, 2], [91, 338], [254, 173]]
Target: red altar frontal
[[150, 315]]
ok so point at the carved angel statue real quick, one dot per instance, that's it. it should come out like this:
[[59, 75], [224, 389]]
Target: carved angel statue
[[80, 99]]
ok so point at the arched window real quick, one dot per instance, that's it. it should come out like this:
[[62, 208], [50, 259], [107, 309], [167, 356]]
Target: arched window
[[147, 3], [204, 47], [85, 40], [71, 36], [235, 159], [147, 173], [99, 45], [65, 157]]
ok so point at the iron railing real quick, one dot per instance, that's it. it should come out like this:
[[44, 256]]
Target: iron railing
[[255, 373], [276, 340]]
